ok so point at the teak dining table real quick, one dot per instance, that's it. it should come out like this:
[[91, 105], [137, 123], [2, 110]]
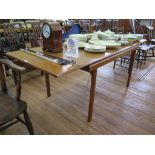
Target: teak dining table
[[87, 61]]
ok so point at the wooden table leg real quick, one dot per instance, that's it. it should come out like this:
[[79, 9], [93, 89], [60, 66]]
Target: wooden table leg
[[47, 84], [132, 58], [92, 94], [18, 89]]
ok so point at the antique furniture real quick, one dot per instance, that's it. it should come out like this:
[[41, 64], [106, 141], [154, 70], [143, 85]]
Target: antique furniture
[[84, 24], [89, 62], [66, 25], [126, 26], [24, 28], [1, 46], [52, 37], [123, 61], [14, 39], [99, 24], [142, 53], [35, 34], [29, 29], [12, 108]]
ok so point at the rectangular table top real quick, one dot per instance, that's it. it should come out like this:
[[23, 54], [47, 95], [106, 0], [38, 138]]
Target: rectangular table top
[[85, 59]]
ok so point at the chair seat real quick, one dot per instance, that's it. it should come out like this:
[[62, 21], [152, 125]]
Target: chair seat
[[146, 47], [10, 108]]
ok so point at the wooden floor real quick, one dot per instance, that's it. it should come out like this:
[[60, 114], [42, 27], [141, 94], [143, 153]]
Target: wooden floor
[[117, 110]]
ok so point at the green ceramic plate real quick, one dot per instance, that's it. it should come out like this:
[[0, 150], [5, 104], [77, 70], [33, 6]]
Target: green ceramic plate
[[107, 43], [139, 36], [81, 44], [131, 36], [123, 43], [81, 37], [95, 48]]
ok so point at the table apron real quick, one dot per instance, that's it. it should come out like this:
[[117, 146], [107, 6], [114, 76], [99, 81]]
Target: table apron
[[110, 59]]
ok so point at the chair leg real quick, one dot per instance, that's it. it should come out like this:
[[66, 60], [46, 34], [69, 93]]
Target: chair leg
[[153, 52], [138, 58], [114, 64], [18, 89], [28, 123], [41, 73], [137, 63], [141, 62], [121, 62], [146, 56], [14, 76]]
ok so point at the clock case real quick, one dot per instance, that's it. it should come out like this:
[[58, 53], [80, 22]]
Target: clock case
[[54, 42]]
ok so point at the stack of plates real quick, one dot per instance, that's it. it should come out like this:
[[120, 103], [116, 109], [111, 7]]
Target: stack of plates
[[109, 32], [80, 37], [118, 36], [81, 44], [107, 43], [99, 34], [95, 37], [106, 35], [131, 37], [123, 42], [139, 36], [94, 48], [89, 35]]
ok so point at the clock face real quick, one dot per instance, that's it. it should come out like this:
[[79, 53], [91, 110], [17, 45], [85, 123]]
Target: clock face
[[46, 31]]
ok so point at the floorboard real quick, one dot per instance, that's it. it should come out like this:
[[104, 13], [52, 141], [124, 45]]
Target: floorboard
[[117, 110]]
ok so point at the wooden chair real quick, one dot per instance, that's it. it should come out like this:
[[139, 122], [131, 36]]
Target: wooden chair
[[140, 58], [66, 26], [35, 34], [143, 52], [1, 46], [99, 24], [84, 24], [12, 108], [123, 62], [22, 26], [14, 38]]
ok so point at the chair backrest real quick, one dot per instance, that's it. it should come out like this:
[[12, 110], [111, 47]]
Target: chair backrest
[[66, 26], [37, 29], [35, 34], [75, 29], [18, 69], [1, 46], [9, 34], [84, 24], [19, 33], [14, 38], [99, 24]]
